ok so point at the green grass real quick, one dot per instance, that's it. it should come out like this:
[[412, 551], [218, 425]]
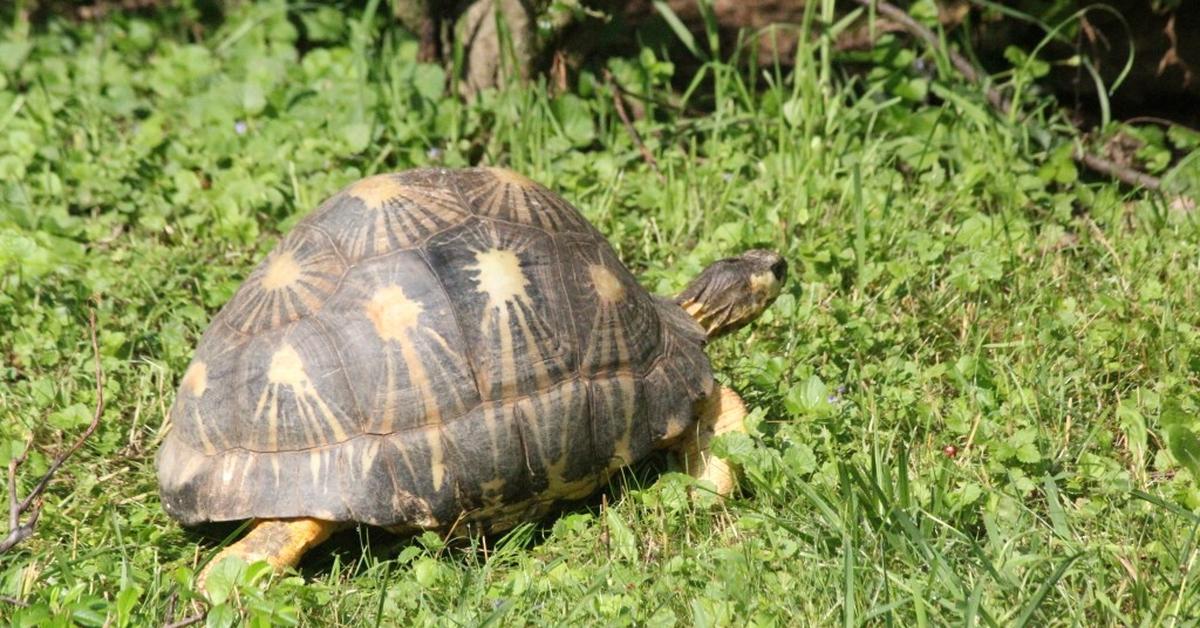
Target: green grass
[[954, 283]]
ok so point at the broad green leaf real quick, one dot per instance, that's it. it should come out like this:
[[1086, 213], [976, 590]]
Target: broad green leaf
[[734, 446], [127, 599], [71, 417], [800, 459], [429, 80], [253, 98], [357, 136], [1185, 448], [1134, 425], [223, 578], [913, 90], [323, 24], [792, 111], [220, 616], [575, 117], [1183, 138], [621, 538], [427, 571]]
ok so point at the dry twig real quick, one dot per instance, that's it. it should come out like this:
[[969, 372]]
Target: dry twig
[[999, 101], [186, 621], [1113, 169], [31, 506], [619, 104]]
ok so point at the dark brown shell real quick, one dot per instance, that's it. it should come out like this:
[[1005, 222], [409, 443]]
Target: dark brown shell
[[426, 348]]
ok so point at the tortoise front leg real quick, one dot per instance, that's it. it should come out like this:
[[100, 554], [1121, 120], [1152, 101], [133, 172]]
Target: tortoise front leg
[[724, 411], [280, 542]]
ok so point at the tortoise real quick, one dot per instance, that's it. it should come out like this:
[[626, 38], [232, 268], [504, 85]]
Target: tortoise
[[444, 349]]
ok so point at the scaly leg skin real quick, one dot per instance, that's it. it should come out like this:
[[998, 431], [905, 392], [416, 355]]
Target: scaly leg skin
[[280, 542], [721, 413]]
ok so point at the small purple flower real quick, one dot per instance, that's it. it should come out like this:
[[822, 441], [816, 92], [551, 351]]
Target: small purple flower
[[239, 127]]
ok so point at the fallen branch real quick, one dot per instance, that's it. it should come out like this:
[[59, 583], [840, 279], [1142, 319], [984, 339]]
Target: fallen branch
[[1122, 173], [31, 506], [186, 621], [619, 104], [999, 101]]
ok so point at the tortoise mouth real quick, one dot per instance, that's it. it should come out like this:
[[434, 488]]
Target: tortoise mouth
[[779, 270], [722, 317]]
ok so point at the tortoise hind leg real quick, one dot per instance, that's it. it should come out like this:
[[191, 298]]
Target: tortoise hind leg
[[280, 542], [723, 412]]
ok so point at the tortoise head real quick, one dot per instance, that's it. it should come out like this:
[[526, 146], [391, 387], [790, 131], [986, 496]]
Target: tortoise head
[[734, 291]]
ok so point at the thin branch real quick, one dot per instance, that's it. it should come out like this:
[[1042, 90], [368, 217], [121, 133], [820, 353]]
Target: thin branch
[[14, 505], [1113, 169], [1161, 122], [619, 104], [1000, 102], [187, 621], [31, 506]]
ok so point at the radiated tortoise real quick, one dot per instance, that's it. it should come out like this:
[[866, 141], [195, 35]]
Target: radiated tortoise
[[442, 349]]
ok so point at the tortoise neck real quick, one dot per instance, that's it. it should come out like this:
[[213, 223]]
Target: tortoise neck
[[711, 301], [708, 318]]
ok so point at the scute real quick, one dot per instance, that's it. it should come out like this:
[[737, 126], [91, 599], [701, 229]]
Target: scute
[[291, 392], [293, 282], [200, 410], [405, 355], [559, 451], [620, 425], [385, 480], [616, 321], [505, 453], [509, 304], [681, 376], [197, 488], [429, 349], [512, 197], [388, 212]]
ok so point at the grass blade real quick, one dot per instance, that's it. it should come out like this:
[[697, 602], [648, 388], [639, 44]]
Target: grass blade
[[1039, 596], [681, 31]]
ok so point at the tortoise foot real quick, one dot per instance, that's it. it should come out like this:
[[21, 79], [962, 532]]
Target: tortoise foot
[[721, 413], [280, 542]]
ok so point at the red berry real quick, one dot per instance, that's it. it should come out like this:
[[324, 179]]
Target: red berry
[[950, 451]]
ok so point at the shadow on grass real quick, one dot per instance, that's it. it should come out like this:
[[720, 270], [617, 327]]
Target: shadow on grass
[[356, 545]]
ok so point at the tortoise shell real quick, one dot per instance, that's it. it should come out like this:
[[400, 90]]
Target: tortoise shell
[[427, 348]]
